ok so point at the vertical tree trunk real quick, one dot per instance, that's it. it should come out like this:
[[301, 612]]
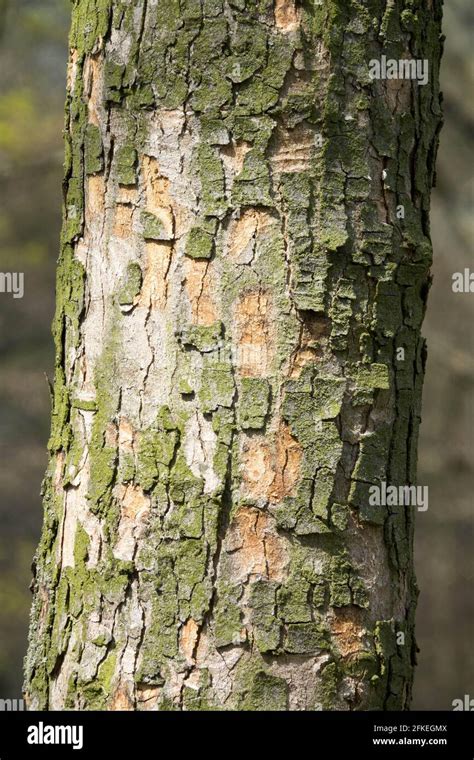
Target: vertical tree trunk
[[245, 251]]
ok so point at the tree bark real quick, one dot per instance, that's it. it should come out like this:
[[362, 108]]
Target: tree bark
[[245, 251]]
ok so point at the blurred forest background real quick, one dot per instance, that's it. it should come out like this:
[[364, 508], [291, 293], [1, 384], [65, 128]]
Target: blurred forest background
[[33, 50]]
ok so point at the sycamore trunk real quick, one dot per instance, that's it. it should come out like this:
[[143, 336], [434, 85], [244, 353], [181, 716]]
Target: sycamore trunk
[[243, 276]]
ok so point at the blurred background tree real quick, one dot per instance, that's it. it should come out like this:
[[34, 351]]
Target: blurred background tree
[[445, 534], [33, 48]]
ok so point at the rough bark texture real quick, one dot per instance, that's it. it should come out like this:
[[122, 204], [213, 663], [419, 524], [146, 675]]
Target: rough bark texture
[[233, 285]]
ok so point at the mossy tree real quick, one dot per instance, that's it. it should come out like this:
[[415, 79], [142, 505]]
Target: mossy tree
[[243, 277]]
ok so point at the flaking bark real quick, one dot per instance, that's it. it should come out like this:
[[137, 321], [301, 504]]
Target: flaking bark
[[233, 285]]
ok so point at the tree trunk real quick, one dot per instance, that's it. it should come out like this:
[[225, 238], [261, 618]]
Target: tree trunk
[[244, 271]]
